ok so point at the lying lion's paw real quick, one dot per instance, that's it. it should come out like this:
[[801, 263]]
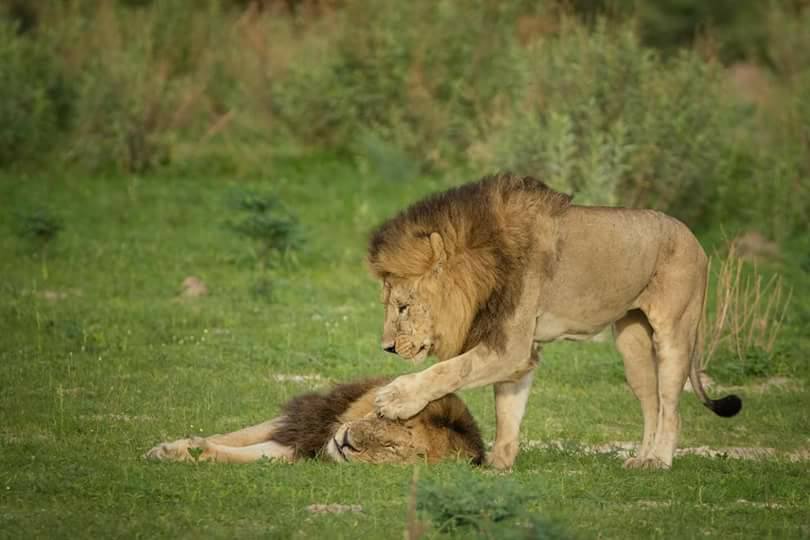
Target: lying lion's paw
[[648, 463], [397, 401], [179, 450]]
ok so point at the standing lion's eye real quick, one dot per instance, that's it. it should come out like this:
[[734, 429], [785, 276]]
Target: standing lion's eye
[[402, 308]]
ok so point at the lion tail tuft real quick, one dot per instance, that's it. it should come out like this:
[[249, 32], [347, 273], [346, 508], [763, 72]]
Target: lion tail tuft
[[726, 406]]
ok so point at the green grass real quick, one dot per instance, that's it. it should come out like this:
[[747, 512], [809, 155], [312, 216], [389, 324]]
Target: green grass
[[91, 381]]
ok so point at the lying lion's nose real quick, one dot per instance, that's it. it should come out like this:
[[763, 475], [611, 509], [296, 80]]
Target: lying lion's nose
[[390, 349]]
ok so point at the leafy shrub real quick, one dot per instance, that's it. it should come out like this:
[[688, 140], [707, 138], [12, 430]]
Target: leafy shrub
[[483, 508], [419, 75], [418, 86], [140, 86], [609, 120], [38, 225], [260, 217], [34, 97]]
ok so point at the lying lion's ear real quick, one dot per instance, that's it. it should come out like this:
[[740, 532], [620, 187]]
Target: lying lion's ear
[[439, 255]]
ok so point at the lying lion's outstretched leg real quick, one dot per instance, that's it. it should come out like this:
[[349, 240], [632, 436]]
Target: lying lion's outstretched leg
[[178, 450], [249, 435], [244, 454], [634, 341]]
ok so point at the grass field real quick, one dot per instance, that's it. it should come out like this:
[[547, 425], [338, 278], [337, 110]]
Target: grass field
[[100, 360]]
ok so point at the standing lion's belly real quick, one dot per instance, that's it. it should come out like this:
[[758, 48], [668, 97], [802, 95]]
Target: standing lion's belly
[[551, 327]]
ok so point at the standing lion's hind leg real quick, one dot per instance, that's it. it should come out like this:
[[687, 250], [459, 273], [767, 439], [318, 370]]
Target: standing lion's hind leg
[[634, 341], [674, 337]]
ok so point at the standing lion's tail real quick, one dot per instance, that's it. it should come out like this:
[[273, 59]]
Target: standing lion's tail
[[726, 406]]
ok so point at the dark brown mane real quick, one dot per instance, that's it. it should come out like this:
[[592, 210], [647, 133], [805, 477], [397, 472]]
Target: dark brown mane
[[452, 414], [310, 419], [488, 228]]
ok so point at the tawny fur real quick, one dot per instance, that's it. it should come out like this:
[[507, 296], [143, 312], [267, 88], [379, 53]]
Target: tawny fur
[[483, 274], [340, 426]]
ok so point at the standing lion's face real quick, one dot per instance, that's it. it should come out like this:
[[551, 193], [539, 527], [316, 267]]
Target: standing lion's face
[[408, 328]]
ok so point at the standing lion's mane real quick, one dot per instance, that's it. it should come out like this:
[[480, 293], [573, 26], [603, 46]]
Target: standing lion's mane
[[490, 229]]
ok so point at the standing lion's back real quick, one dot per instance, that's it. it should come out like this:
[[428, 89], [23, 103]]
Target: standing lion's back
[[608, 256]]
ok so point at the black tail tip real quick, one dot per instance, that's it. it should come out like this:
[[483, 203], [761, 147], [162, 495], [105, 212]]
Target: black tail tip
[[727, 406]]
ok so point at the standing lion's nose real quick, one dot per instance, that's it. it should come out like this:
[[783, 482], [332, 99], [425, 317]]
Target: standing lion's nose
[[390, 349]]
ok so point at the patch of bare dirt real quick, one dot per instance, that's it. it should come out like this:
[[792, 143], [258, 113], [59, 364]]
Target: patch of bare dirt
[[56, 295], [288, 377], [784, 384], [624, 449], [117, 417], [333, 508]]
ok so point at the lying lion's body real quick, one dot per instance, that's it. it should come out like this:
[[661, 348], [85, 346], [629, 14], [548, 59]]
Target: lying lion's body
[[341, 426], [482, 275]]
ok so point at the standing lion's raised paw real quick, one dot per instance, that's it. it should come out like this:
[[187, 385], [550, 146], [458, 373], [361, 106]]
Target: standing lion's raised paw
[[397, 402]]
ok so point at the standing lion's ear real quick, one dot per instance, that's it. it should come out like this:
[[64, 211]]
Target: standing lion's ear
[[439, 254]]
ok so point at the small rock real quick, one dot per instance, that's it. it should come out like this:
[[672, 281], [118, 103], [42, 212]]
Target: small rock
[[194, 287]]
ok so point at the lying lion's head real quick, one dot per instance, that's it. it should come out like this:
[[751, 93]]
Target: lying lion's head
[[443, 429], [451, 264]]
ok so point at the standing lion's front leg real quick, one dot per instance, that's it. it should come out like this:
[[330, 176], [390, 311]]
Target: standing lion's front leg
[[407, 395], [510, 405]]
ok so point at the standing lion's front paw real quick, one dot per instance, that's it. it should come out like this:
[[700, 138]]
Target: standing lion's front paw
[[397, 400]]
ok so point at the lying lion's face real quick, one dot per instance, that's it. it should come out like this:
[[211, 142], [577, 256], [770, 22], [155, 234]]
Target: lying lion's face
[[377, 440], [437, 433]]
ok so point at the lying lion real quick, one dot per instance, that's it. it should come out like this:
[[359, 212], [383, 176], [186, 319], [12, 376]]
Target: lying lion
[[482, 275], [341, 426]]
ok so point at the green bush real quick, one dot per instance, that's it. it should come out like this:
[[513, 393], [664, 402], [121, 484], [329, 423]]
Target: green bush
[[35, 100], [421, 86], [259, 216], [609, 120], [419, 75], [483, 508]]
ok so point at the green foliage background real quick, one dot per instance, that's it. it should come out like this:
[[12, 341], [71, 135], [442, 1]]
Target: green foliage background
[[619, 102]]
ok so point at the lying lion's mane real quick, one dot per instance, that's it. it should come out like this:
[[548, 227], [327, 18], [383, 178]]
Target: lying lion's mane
[[452, 414], [490, 229], [310, 420]]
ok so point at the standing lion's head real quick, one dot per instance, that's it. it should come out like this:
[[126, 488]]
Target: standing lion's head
[[424, 314], [451, 265]]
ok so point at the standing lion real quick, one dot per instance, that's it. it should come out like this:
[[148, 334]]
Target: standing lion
[[482, 275]]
